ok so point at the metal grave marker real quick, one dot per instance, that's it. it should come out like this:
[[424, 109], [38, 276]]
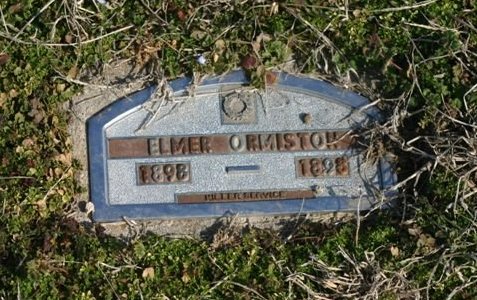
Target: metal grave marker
[[231, 149]]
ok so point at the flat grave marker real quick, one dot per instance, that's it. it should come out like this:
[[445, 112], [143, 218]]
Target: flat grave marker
[[231, 149]]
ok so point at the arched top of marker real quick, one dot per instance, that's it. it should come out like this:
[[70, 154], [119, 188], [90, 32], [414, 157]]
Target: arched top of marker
[[285, 81]]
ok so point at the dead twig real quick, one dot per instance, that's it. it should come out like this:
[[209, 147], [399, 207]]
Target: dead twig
[[407, 7]]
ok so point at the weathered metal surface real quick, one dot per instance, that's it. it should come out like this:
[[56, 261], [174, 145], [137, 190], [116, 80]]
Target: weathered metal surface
[[231, 149]]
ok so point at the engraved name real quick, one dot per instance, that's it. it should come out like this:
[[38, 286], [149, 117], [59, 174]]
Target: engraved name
[[182, 145], [247, 143]]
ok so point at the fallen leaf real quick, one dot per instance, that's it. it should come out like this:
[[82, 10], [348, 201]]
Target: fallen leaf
[[220, 46], [58, 172], [249, 62], [427, 241], [181, 15], [198, 34], [69, 38], [28, 142], [4, 58], [185, 277], [35, 103], [31, 163], [37, 116], [257, 43], [37, 111], [270, 78], [60, 87], [64, 158], [3, 99], [13, 93], [41, 204], [72, 73], [414, 231], [394, 251], [148, 273], [15, 8]]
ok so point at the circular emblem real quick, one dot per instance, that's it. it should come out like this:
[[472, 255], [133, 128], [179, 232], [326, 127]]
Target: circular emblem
[[237, 106]]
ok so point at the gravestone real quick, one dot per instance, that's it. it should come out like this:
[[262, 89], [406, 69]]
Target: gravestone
[[228, 148]]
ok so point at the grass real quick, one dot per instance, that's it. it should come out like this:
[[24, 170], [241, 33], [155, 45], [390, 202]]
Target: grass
[[416, 60]]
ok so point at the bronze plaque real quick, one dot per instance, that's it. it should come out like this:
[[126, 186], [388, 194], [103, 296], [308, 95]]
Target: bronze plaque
[[230, 143], [247, 196]]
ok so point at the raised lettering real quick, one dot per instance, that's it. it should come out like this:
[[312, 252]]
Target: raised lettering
[[268, 142], [317, 167], [280, 142], [236, 143], [252, 142], [153, 147], [194, 145], [205, 144], [265, 195], [163, 173], [322, 166], [331, 139], [179, 147], [145, 173], [342, 168], [318, 140], [182, 172], [290, 141], [304, 140]]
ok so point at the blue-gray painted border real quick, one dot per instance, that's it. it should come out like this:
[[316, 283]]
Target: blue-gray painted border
[[97, 155]]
